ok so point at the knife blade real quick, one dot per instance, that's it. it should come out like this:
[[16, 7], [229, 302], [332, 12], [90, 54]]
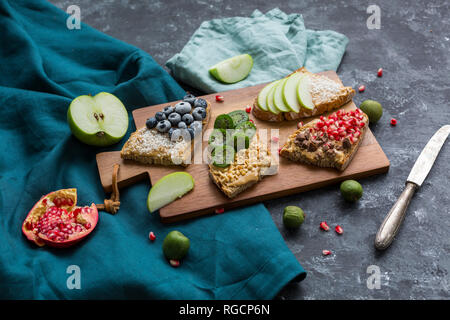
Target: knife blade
[[426, 158], [419, 172]]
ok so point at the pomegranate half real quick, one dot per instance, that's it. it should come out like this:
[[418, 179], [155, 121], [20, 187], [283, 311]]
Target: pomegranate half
[[55, 220]]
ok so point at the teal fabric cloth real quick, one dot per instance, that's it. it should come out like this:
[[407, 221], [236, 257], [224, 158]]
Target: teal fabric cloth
[[278, 42], [43, 66]]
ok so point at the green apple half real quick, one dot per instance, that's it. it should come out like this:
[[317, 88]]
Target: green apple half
[[262, 96], [290, 92], [233, 69], [168, 189], [101, 120], [269, 100], [303, 92], [278, 97]]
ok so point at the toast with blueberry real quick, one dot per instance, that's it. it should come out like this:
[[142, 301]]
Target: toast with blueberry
[[168, 137], [329, 142], [324, 94]]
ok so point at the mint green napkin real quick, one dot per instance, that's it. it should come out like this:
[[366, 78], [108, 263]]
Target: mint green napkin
[[278, 42]]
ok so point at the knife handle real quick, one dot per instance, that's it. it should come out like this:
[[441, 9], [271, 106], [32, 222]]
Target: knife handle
[[391, 223]]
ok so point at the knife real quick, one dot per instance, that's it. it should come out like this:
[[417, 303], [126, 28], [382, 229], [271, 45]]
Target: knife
[[419, 172]]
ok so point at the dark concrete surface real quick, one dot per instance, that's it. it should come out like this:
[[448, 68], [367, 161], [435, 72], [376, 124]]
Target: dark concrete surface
[[412, 47]]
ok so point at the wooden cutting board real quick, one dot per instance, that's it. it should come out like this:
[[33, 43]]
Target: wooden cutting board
[[206, 197]]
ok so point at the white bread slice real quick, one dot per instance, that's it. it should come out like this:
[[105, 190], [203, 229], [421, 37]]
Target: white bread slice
[[327, 95], [341, 156], [152, 147], [248, 168]]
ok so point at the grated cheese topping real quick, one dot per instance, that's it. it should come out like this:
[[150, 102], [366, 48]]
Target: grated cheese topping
[[150, 142], [323, 89]]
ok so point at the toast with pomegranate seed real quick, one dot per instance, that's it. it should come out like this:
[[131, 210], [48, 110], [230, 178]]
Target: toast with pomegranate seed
[[169, 137], [248, 168], [327, 95], [329, 142]]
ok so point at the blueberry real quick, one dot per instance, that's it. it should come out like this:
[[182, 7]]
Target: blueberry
[[182, 125], [170, 132], [200, 103], [179, 134], [191, 132], [187, 118], [160, 116], [183, 108], [174, 118], [199, 113], [163, 126], [168, 110], [197, 126], [151, 122], [189, 98]]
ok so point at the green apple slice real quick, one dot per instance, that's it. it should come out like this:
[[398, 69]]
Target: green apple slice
[[168, 189], [262, 96], [303, 92], [290, 92], [233, 69], [278, 97], [269, 101], [101, 120]]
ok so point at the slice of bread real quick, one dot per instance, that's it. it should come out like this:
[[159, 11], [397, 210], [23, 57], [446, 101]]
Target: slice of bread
[[327, 95], [152, 147], [311, 144], [248, 168]]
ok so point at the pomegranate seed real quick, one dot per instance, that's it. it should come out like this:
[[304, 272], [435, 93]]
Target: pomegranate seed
[[300, 124], [279, 150], [57, 202], [152, 236], [219, 210], [326, 252], [69, 202], [248, 109], [339, 229], [324, 226], [44, 202], [87, 225], [275, 139], [380, 72], [251, 120], [393, 122], [220, 98], [174, 263], [362, 88]]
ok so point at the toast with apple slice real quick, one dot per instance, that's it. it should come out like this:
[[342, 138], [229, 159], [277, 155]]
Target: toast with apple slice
[[326, 94], [248, 168], [329, 142], [169, 137]]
